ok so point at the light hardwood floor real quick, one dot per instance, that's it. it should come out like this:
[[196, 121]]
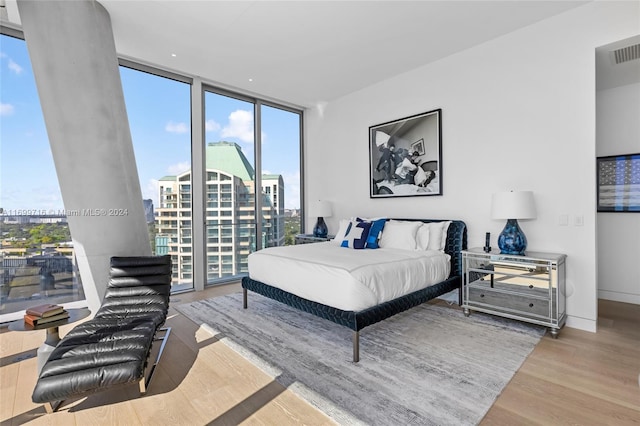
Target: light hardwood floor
[[581, 378]]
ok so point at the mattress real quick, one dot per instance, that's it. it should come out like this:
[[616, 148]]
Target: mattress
[[347, 279]]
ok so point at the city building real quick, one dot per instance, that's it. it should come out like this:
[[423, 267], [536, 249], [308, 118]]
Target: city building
[[230, 214], [148, 210]]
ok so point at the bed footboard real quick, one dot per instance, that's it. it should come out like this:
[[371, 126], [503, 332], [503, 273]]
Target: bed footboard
[[356, 321]]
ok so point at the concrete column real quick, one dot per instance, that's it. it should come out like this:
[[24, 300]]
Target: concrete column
[[74, 61]]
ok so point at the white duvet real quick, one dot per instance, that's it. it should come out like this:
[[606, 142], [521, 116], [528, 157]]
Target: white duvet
[[347, 279]]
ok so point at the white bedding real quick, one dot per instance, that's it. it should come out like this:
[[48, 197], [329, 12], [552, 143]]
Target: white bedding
[[347, 279]]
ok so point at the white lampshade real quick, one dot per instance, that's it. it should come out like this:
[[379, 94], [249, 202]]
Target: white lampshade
[[323, 209], [513, 205]]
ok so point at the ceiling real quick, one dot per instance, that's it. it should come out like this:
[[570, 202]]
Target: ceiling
[[306, 53], [610, 74]]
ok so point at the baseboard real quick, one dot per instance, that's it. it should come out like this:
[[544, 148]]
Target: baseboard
[[581, 324], [617, 296]]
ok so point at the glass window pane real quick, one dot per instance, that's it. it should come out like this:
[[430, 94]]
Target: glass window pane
[[281, 173], [159, 111], [37, 255], [229, 186]]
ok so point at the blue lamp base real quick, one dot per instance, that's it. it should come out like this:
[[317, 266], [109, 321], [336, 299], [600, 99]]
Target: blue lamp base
[[320, 230], [512, 240]]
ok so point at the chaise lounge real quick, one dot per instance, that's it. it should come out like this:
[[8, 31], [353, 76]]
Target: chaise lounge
[[113, 348]]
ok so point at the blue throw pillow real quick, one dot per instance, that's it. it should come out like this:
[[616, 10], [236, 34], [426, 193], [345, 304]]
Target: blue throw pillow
[[377, 225], [356, 236]]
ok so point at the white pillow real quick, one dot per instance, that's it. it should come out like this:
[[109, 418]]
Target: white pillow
[[422, 237], [342, 231], [400, 235], [438, 235]]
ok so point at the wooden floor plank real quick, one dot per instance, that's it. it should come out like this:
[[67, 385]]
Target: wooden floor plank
[[581, 377], [548, 403], [615, 383], [500, 415]]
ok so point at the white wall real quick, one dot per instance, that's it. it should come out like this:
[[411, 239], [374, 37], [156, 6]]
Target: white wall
[[518, 113], [618, 132]]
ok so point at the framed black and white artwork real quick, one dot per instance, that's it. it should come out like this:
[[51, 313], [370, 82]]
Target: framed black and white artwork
[[405, 156]]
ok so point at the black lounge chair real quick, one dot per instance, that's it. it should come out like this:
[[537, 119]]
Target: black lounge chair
[[112, 348]]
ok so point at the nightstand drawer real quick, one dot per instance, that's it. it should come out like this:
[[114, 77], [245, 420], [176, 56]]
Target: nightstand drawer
[[507, 302], [521, 285]]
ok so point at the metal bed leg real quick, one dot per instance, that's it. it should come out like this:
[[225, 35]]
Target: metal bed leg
[[244, 298], [144, 383], [356, 346]]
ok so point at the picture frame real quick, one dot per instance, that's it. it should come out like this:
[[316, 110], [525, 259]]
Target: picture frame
[[405, 156], [618, 183], [418, 147]]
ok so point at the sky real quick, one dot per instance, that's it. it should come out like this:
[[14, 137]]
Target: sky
[[160, 124]]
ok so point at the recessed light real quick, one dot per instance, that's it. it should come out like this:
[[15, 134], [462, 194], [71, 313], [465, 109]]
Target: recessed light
[[250, 79], [173, 55]]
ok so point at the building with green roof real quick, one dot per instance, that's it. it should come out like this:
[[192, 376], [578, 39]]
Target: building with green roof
[[230, 217]]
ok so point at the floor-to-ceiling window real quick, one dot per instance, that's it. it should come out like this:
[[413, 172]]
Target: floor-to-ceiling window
[[248, 206], [37, 259], [281, 177], [229, 185], [159, 109]]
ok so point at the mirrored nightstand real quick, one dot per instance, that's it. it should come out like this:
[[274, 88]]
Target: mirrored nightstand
[[527, 288]]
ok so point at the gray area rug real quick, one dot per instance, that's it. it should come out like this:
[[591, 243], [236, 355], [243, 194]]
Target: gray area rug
[[429, 365]]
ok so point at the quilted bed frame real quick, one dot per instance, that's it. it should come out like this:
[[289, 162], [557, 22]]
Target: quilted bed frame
[[357, 320]]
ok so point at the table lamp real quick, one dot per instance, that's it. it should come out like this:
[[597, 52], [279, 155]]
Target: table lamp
[[323, 209], [512, 206]]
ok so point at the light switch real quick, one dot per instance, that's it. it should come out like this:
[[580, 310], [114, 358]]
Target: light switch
[[563, 220], [578, 220]]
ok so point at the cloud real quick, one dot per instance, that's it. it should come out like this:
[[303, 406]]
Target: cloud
[[6, 109], [291, 190], [15, 67], [150, 190], [40, 198], [179, 168], [12, 65], [211, 126], [172, 127], [240, 126]]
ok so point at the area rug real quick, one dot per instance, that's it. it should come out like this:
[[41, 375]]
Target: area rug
[[429, 365]]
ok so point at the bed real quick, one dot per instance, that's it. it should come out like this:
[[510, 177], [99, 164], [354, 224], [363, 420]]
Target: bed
[[360, 296]]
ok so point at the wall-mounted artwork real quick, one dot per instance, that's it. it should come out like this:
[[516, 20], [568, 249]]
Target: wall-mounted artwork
[[418, 147], [405, 156], [618, 183]]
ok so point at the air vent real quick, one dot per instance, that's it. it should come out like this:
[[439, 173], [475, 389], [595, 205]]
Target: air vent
[[626, 54]]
